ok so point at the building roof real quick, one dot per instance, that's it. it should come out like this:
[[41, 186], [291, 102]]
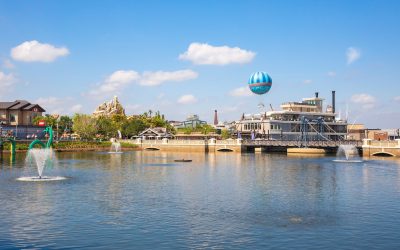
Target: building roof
[[158, 131], [6, 105], [20, 105]]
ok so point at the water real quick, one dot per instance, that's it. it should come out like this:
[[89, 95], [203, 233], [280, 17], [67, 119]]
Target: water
[[39, 158], [144, 200], [115, 147], [348, 153]]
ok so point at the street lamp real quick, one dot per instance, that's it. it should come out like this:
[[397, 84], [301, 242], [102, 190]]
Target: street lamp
[[58, 120]]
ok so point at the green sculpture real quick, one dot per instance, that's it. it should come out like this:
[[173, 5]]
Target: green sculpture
[[13, 145], [12, 148], [49, 143]]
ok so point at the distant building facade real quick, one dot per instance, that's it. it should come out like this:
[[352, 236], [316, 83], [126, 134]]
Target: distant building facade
[[192, 121], [155, 133], [296, 120], [19, 113]]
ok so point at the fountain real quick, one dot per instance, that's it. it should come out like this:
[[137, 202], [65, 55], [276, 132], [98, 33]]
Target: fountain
[[347, 153], [41, 157], [115, 147]]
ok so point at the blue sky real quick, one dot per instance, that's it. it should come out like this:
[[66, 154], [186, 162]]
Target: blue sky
[[183, 57]]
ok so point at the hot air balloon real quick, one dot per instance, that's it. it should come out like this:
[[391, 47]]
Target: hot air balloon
[[260, 83]]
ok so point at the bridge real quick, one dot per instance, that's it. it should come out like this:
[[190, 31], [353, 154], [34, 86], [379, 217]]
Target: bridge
[[236, 145], [381, 148]]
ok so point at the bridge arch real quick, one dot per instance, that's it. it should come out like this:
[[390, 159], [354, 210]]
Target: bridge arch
[[384, 154], [152, 148], [225, 150]]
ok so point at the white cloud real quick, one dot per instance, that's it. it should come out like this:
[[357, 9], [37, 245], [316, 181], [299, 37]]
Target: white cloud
[[352, 55], [397, 98], [365, 100], [115, 82], [8, 64], [332, 73], [187, 99], [308, 81], [76, 108], [34, 51], [6, 80], [242, 91], [47, 101], [158, 77], [118, 80], [203, 53], [59, 105]]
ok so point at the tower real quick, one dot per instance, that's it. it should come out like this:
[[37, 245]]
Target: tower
[[215, 118]]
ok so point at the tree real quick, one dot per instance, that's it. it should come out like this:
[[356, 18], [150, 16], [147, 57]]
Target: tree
[[106, 127], [49, 120], [206, 129], [84, 125], [65, 124], [133, 127], [225, 134]]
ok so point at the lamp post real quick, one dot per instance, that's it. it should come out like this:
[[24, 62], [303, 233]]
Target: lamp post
[[58, 120]]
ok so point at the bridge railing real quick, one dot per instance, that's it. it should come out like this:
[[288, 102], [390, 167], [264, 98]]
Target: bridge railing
[[284, 143], [246, 142], [388, 144]]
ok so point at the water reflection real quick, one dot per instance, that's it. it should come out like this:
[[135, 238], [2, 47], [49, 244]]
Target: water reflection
[[224, 200]]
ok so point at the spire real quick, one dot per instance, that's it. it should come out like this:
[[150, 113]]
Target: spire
[[215, 118]]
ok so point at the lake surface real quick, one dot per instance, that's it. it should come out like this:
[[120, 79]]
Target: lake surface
[[145, 200]]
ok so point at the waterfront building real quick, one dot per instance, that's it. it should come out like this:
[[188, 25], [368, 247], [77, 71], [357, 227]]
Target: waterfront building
[[192, 121], [356, 132], [297, 120], [155, 133], [19, 113], [393, 133]]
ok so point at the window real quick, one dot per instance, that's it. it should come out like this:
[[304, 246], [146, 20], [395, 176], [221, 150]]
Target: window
[[12, 118]]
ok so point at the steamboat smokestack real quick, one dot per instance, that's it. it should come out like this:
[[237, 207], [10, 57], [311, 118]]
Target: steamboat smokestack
[[333, 101], [316, 94], [215, 118]]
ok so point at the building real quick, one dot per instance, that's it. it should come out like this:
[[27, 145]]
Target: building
[[303, 120], [393, 133], [356, 132], [155, 133], [19, 113], [192, 121]]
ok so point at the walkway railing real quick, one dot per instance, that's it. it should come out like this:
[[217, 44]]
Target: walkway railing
[[246, 142]]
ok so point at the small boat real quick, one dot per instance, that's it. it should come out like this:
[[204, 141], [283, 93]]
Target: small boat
[[183, 160]]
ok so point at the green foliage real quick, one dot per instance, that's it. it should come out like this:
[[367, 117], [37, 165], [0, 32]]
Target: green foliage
[[73, 145], [204, 129], [225, 134], [50, 120], [106, 127], [118, 120], [85, 126], [133, 127], [65, 124]]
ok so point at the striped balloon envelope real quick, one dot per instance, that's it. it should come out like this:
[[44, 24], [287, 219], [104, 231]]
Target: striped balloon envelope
[[260, 83]]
